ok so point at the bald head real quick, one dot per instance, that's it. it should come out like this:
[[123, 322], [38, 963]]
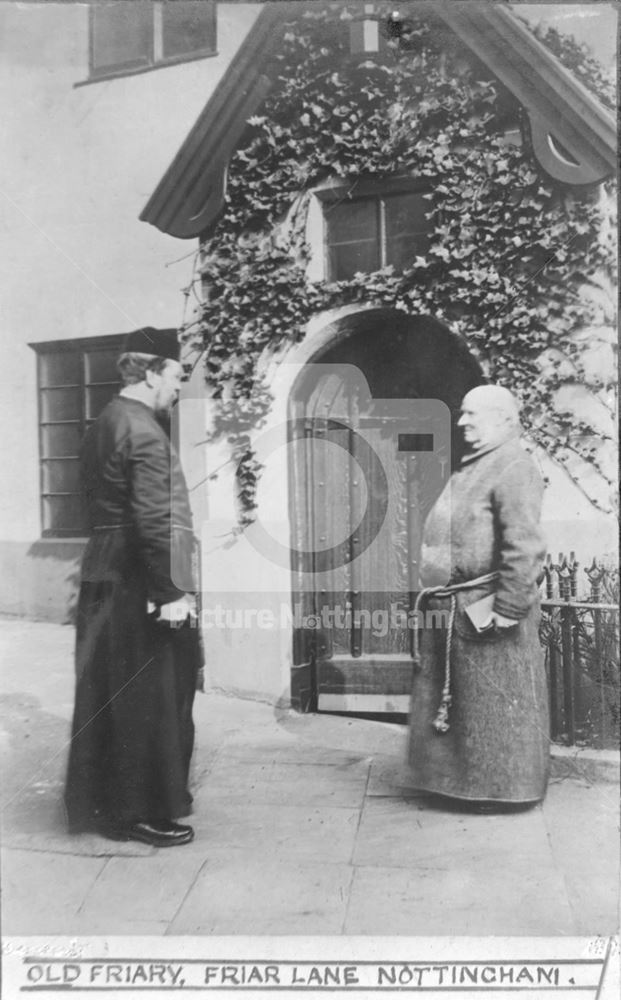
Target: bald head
[[493, 397], [489, 416]]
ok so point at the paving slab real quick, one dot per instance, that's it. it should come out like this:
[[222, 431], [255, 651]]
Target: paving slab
[[34, 751], [425, 833], [345, 733], [582, 821], [292, 751], [449, 898], [42, 893], [86, 845], [234, 895], [221, 713], [390, 776], [120, 927], [289, 782], [140, 889], [43, 656], [317, 833]]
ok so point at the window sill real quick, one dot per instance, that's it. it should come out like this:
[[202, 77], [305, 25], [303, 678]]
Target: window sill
[[138, 70]]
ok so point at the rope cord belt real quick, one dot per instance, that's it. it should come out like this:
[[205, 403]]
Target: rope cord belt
[[441, 722]]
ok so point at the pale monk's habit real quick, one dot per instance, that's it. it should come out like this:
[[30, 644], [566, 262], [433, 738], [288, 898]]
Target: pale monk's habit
[[496, 746]]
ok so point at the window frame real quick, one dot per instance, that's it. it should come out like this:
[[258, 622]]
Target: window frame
[[124, 68], [155, 58], [335, 191], [43, 349]]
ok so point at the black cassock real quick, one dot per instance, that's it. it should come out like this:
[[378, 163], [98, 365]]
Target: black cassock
[[132, 734]]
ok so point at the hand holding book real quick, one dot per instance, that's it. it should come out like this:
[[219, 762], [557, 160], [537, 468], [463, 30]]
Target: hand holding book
[[484, 618]]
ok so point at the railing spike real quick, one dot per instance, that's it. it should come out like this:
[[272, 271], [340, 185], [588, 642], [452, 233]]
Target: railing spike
[[548, 571], [575, 628]]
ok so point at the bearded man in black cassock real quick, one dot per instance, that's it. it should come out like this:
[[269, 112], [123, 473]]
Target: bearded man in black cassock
[[137, 644]]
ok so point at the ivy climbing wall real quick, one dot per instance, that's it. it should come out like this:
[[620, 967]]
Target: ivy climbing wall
[[521, 267]]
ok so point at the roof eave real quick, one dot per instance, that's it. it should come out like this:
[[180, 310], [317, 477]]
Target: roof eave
[[190, 196]]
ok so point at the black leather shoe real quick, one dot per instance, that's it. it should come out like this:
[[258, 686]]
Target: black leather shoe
[[169, 826], [160, 833]]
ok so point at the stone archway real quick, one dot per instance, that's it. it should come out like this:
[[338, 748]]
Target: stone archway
[[358, 501]]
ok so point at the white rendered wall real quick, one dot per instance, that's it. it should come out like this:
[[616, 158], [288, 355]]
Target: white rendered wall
[[78, 165]]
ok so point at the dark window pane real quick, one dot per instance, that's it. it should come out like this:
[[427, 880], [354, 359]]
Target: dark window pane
[[405, 213], [407, 229], [122, 34], [96, 398], [351, 221], [62, 476], [348, 258], [60, 369], [353, 238], [101, 366], [60, 440], [188, 27], [60, 404], [65, 515], [400, 252]]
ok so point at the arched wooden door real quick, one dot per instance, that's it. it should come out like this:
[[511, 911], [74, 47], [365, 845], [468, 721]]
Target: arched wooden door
[[372, 429]]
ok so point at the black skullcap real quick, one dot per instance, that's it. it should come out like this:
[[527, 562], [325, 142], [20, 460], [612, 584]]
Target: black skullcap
[[148, 340]]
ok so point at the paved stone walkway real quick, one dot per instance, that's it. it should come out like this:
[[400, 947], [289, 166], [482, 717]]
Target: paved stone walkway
[[304, 825]]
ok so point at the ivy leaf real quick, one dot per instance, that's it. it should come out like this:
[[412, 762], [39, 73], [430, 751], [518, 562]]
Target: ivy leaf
[[488, 205]]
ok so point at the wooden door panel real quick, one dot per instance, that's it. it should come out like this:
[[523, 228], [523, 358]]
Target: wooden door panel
[[384, 577], [360, 517]]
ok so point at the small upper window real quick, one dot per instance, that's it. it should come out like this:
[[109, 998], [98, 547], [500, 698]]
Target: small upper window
[[129, 37], [366, 233], [121, 37], [188, 27]]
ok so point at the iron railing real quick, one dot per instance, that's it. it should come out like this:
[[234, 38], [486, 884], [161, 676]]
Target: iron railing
[[580, 635]]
